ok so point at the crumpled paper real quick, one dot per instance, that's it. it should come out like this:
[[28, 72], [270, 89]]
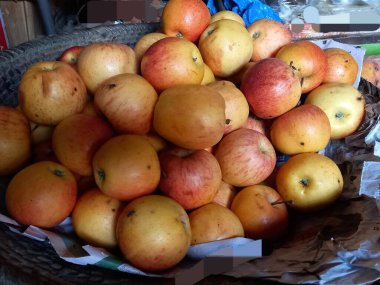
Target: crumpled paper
[[339, 245]]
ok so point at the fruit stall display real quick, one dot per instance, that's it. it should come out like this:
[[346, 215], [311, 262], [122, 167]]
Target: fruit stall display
[[151, 144]]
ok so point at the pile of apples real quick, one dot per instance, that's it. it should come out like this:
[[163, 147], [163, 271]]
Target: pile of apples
[[174, 142]]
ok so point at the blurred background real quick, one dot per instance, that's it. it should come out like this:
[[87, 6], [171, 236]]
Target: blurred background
[[25, 20]]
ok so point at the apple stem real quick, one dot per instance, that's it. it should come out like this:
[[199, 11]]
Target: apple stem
[[101, 174], [58, 172]]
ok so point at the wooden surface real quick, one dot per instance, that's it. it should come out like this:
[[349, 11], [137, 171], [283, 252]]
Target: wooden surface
[[22, 21]]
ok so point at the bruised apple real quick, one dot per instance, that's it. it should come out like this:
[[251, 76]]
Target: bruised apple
[[172, 61], [185, 19], [305, 128], [94, 218], [100, 61], [246, 157], [213, 222], [153, 233], [15, 146], [237, 108], [343, 104], [42, 194], [262, 212], [191, 177], [127, 101], [271, 88], [126, 167], [263, 33], [309, 181], [190, 116], [49, 91], [308, 60], [76, 139]]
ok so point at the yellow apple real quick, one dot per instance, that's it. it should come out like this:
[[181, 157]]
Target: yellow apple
[[227, 14], [213, 222], [208, 75], [226, 47], [237, 108], [343, 104], [309, 181]]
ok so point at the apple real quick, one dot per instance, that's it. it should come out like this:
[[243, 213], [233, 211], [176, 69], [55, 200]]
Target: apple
[[153, 233], [191, 177], [144, 42], [76, 139], [190, 116], [127, 101], [226, 47], [172, 61], [305, 128], [309, 181], [246, 157], [308, 60], [15, 146], [268, 36], [343, 104], [262, 212], [42, 194], [43, 151], [126, 167], [271, 88], [213, 222], [49, 91], [156, 141], [225, 194], [185, 19], [371, 71], [257, 124], [91, 109], [40, 133], [237, 77], [70, 55], [237, 108], [100, 61], [227, 14], [341, 66], [94, 218], [208, 75]]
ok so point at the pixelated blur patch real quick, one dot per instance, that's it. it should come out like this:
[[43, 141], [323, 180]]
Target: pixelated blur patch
[[129, 11]]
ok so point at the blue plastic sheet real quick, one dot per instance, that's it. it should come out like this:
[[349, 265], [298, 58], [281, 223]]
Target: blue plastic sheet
[[249, 10]]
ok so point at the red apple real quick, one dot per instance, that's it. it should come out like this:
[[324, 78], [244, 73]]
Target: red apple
[[172, 61], [49, 91], [268, 37], [308, 60], [246, 157], [70, 55], [76, 139], [262, 212], [271, 88], [305, 128], [42, 194], [185, 18], [15, 142], [257, 124], [191, 177], [127, 100]]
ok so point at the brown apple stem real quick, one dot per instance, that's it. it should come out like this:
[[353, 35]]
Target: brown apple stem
[[288, 202]]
